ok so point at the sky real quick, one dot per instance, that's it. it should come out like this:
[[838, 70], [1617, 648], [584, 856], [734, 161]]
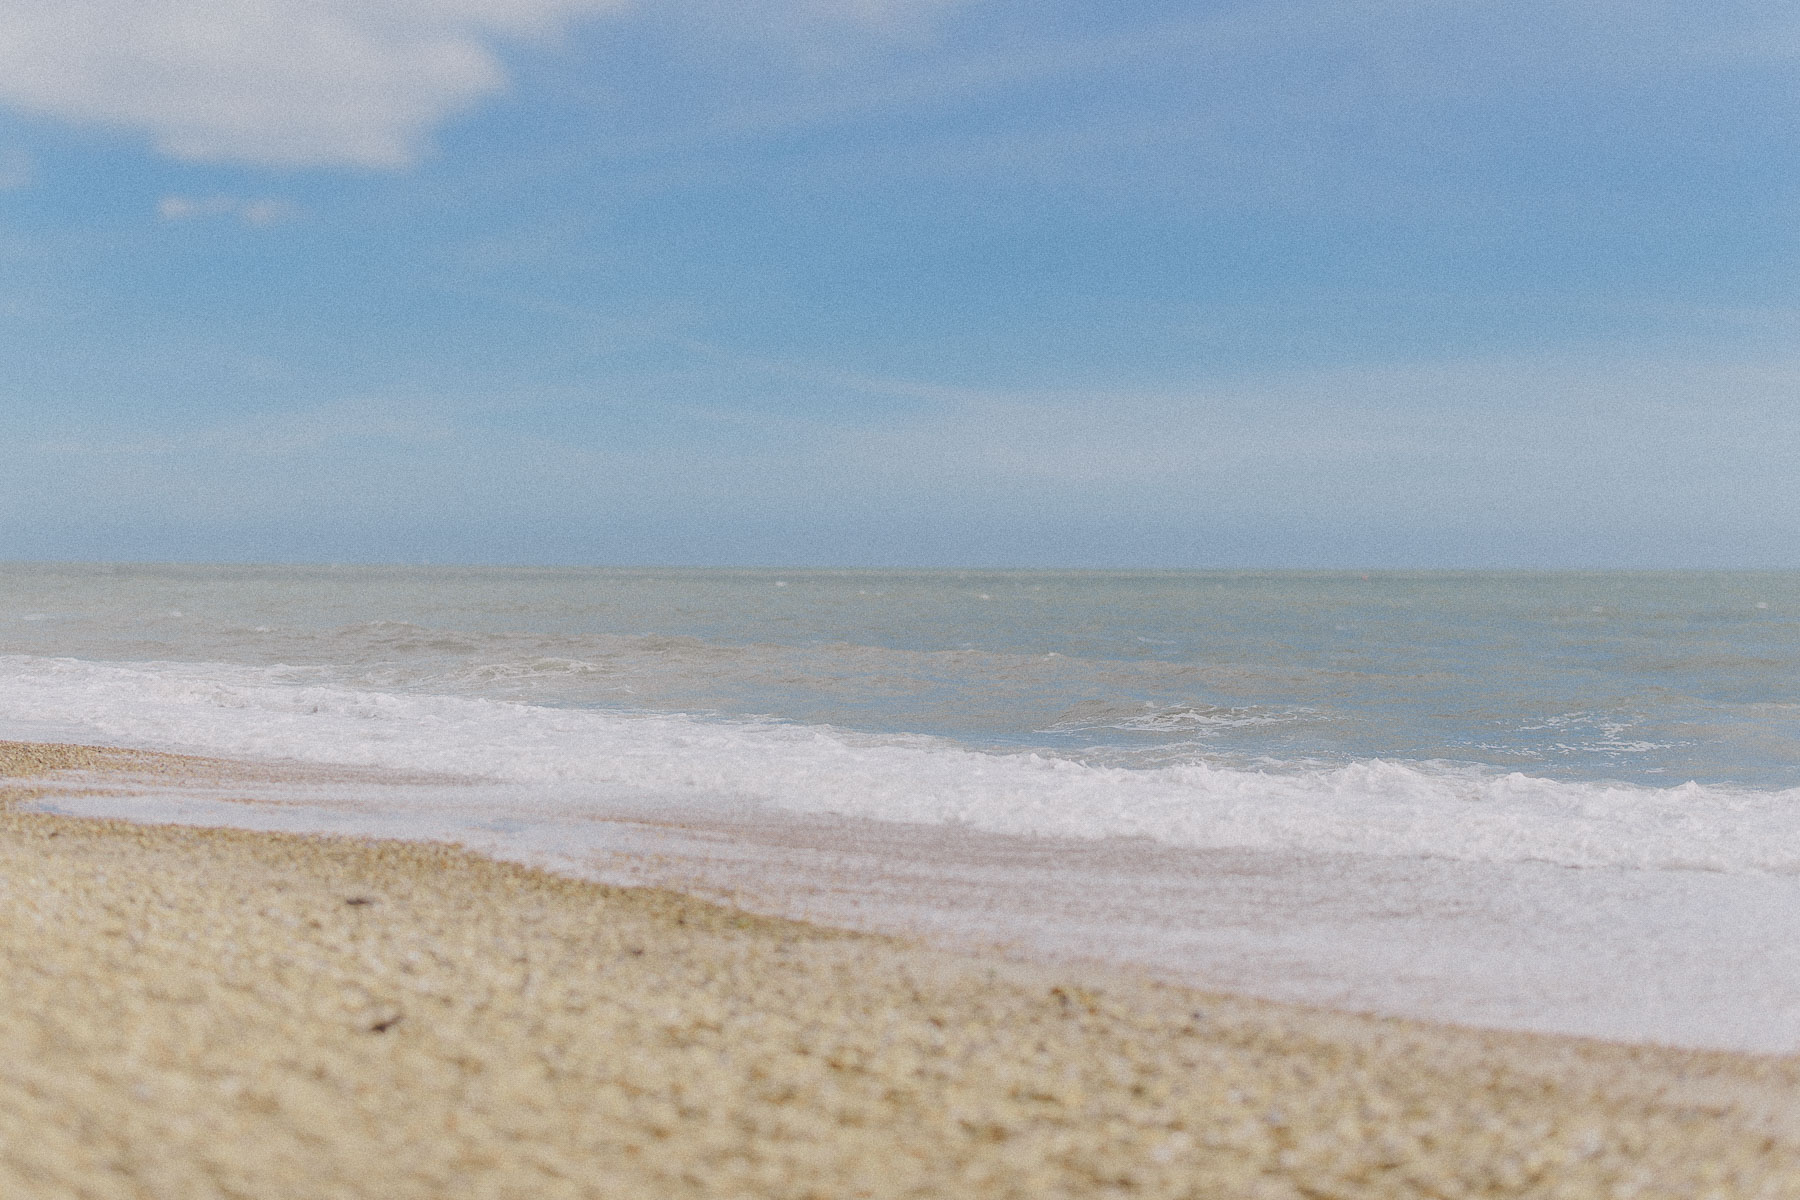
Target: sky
[[1420, 283]]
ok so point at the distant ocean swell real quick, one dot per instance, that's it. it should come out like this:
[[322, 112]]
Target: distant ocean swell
[[600, 759]]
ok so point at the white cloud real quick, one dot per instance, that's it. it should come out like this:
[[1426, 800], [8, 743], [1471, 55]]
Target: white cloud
[[817, 32], [269, 82], [299, 83], [261, 212]]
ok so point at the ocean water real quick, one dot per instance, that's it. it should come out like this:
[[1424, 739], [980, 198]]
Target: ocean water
[[1630, 721], [1561, 802]]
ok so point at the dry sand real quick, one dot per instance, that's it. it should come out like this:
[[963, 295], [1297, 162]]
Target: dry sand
[[196, 1013]]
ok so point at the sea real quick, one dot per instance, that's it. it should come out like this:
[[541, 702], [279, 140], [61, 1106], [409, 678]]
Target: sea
[[1641, 728]]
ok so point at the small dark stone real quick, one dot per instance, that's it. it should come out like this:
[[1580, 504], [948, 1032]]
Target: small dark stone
[[385, 1025], [358, 901]]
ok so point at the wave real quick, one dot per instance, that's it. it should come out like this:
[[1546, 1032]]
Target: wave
[[601, 758], [1147, 716], [569, 667]]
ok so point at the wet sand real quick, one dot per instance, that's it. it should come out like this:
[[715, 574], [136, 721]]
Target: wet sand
[[197, 1012]]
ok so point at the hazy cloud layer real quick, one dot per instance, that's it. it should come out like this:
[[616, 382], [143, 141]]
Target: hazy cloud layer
[[1496, 463]]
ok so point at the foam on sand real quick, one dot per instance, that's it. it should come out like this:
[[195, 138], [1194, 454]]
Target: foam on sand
[[1705, 959], [196, 1013]]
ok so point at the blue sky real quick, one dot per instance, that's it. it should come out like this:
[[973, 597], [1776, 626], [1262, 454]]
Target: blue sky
[[950, 282]]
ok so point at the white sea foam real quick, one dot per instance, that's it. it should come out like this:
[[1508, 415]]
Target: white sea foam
[[584, 757]]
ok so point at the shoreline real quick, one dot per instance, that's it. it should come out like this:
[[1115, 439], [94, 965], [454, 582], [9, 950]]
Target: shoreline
[[201, 1011], [1695, 959]]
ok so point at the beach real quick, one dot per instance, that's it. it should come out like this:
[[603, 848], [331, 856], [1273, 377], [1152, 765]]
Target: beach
[[201, 1012], [917, 599]]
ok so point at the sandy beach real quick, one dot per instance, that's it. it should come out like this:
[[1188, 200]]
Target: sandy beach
[[198, 1012]]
